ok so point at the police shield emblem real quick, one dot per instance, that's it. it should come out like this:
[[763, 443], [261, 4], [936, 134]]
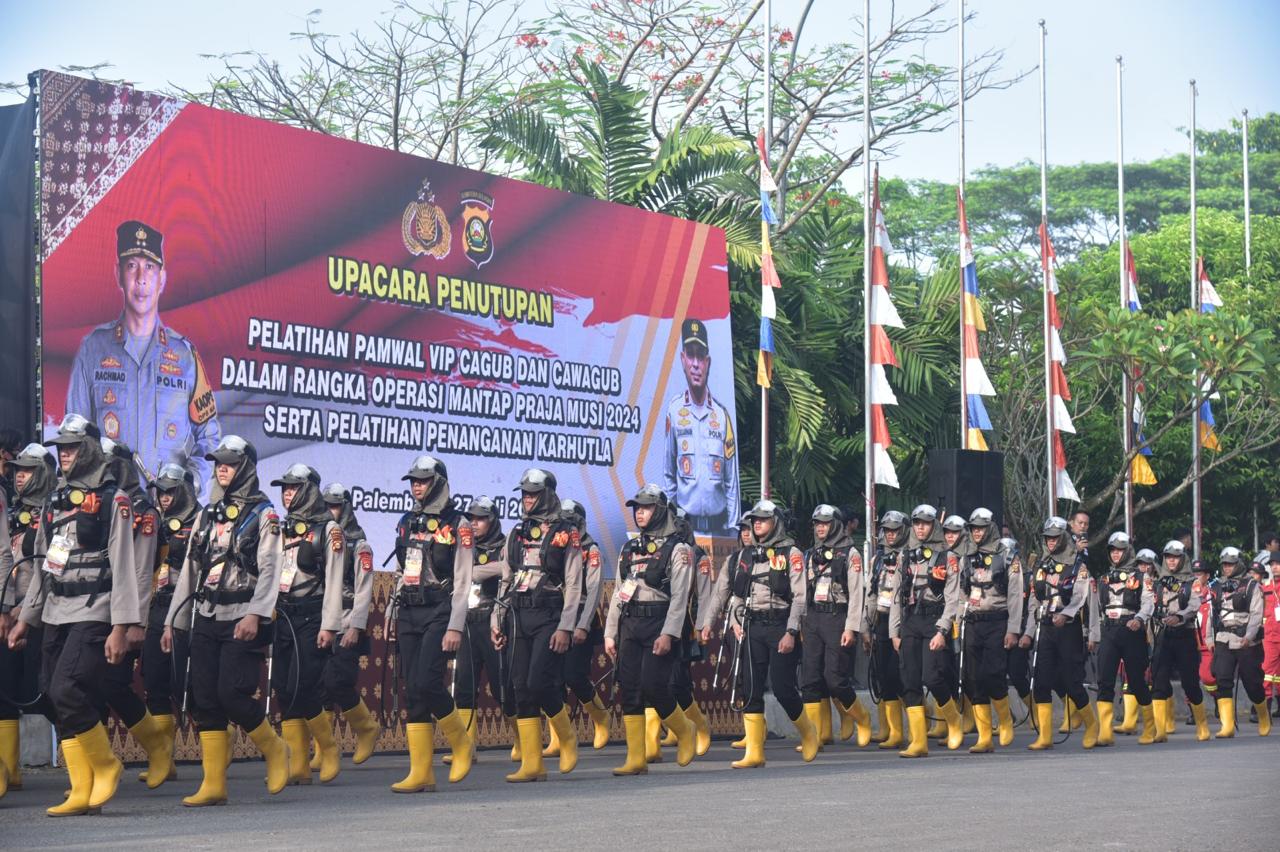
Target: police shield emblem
[[423, 226], [477, 211]]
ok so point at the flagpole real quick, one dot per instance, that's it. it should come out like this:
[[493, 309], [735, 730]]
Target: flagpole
[[1196, 520], [1050, 483], [1248, 260], [869, 484], [768, 143], [964, 396], [1126, 431]]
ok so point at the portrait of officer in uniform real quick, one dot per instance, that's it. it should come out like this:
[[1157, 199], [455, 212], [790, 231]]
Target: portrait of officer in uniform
[[700, 471], [140, 381]]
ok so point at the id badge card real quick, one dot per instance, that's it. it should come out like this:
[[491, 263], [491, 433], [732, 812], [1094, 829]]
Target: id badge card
[[289, 569], [627, 589], [975, 596], [522, 580], [215, 574], [884, 598], [412, 566], [162, 576], [473, 597], [531, 557], [822, 591], [58, 554]]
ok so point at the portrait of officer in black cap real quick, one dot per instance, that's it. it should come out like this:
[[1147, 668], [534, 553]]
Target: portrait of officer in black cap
[[700, 472], [140, 381]]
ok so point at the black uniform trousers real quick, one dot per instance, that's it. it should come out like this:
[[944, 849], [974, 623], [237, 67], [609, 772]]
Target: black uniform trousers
[[478, 656], [921, 666], [1120, 644], [534, 666], [986, 662], [1176, 648], [118, 693], [826, 669], [644, 678], [73, 666], [1018, 662], [226, 673], [341, 668], [1245, 662], [765, 662], [887, 670], [687, 650], [420, 630], [163, 674], [576, 670], [1060, 662], [20, 679]]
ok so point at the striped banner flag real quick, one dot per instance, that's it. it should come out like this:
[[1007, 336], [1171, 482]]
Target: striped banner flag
[[768, 272], [1140, 471], [1063, 486], [883, 314], [977, 385], [1210, 301]]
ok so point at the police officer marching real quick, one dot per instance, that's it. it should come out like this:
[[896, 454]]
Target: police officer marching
[[833, 619], [645, 624], [342, 665], [1177, 603], [1126, 601], [86, 598], [766, 591], [1060, 588], [434, 549], [226, 597], [1145, 562], [691, 649], [921, 616], [991, 587], [1237, 648], [312, 562], [537, 613], [886, 574]]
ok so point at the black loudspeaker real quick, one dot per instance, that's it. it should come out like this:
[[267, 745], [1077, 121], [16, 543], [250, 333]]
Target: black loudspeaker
[[963, 480]]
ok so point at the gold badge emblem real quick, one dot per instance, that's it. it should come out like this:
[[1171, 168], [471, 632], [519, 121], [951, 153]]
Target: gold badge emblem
[[535, 533], [828, 554], [76, 497], [141, 235], [650, 547], [483, 558], [299, 527], [477, 239], [424, 227], [986, 560], [174, 525], [233, 512], [433, 524], [24, 517]]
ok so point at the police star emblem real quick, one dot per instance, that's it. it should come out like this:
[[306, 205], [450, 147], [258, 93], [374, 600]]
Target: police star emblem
[[477, 236], [424, 227]]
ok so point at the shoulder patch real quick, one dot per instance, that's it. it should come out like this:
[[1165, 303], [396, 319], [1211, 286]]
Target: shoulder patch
[[465, 536], [1083, 574], [272, 520], [953, 563], [560, 539], [797, 561], [336, 541], [594, 558], [366, 561], [855, 560], [147, 524], [123, 507], [575, 538], [202, 408]]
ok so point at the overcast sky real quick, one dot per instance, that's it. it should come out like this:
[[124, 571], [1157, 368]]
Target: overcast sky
[[1229, 46]]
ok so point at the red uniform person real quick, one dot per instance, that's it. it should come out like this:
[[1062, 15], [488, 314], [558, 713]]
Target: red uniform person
[[1206, 587], [1270, 628]]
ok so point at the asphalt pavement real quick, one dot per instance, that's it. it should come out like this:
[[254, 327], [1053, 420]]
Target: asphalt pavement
[[1220, 794]]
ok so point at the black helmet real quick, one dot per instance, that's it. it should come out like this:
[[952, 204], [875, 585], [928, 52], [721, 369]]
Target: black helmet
[[233, 449], [648, 495], [1119, 540], [335, 494], [981, 517], [298, 474], [482, 507], [34, 455], [953, 523], [535, 480], [574, 511], [825, 513], [1054, 527], [764, 509], [74, 429], [924, 512], [426, 467], [893, 520], [172, 475], [1175, 548]]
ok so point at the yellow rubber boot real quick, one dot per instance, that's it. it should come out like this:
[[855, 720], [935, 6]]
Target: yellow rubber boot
[[810, 742], [599, 722], [297, 736], [1151, 731], [515, 739], [531, 767], [420, 737], [1030, 706], [1068, 707], [966, 717], [1090, 719], [635, 763], [454, 728], [366, 731], [701, 728], [1106, 723], [686, 739], [848, 725], [652, 738], [4, 779], [754, 758], [893, 718], [825, 732], [741, 742], [214, 746], [1004, 721], [861, 720], [882, 723], [276, 753], [317, 756], [1264, 718], [231, 744], [1169, 727], [813, 712], [918, 727], [568, 739], [1202, 724], [553, 743], [148, 734], [955, 724], [80, 774], [106, 768], [166, 733], [1227, 716], [937, 728], [9, 741], [1130, 723], [670, 738], [982, 722], [330, 760], [1044, 727]]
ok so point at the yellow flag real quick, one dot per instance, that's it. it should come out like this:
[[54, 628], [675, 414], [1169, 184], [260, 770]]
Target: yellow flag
[[1141, 471]]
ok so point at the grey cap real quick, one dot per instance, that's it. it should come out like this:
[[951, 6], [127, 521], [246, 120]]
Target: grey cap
[[1229, 556], [233, 449], [1175, 548], [34, 455], [981, 517], [1055, 526], [648, 495], [335, 494], [953, 523], [893, 520], [171, 476], [763, 509], [482, 507], [73, 429], [924, 512], [297, 474], [426, 467], [1148, 556], [572, 508], [827, 514], [1119, 540], [535, 480]]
